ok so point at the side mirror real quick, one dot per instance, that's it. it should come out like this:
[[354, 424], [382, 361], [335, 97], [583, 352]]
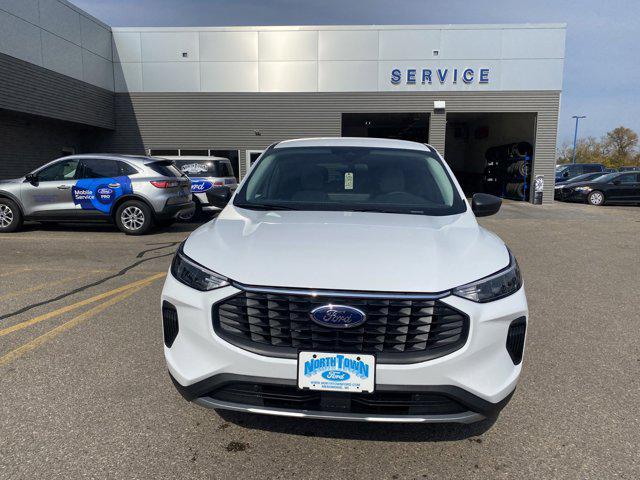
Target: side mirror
[[483, 204], [31, 178], [219, 196], [565, 174]]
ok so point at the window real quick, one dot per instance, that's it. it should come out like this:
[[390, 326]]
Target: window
[[591, 168], [63, 170], [351, 179], [165, 168], [225, 169], [99, 168], [627, 179], [126, 169]]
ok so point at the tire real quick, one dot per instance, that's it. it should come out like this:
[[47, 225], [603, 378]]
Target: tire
[[134, 218], [10, 216], [596, 198], [195, 215]]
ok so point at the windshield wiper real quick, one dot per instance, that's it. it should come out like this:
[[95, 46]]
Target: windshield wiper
[[265, 206]]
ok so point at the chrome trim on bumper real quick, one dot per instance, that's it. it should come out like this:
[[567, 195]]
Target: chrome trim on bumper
[[340, 293], [465, 417]]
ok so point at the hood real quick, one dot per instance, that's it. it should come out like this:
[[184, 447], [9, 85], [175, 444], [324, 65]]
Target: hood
[[11, 181], [579, 184], [347, 250]]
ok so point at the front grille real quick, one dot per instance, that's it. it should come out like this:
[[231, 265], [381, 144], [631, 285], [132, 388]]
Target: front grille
[[397, 330], [381, 403], [169, 323], [515, 339]]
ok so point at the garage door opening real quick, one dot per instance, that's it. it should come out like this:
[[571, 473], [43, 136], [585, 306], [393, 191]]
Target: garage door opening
[[492, 152], [402, 126]]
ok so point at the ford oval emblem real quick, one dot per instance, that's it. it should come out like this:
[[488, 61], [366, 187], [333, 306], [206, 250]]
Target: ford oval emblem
[[336, 375], [338, 316]]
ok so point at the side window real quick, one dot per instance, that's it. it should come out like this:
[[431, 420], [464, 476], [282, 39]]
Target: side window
[[99, 168], [628, 178], [591, 168], [63, 170], [225, 169], [125, 169]]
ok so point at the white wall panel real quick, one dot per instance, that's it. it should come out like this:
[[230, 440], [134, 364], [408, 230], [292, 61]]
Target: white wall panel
[[532, 74], [229, 76], [95, 37], [97, 70], [20, 39], [348, 45], [169, 46], [171, 77], [471, 44], [408, 44], [343, 76], [288, 46], [228, 46], [25, 9], [126, 47], [288, 76], [61, 56], [127, 77], [533, 43], [60, 19]]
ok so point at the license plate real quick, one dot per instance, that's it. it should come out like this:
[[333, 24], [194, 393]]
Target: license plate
[[336, 372]]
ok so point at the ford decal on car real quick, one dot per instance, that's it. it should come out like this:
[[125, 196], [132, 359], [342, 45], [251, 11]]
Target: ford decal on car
[[338, 316]]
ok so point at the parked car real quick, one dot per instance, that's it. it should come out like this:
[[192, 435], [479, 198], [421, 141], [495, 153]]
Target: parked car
[[619, 187], [564, 173], [209, 176], [564, 187], [133, 192], [629, 169], [347, 279]]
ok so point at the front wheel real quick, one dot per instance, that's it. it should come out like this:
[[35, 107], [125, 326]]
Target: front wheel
[[134, 218], [596, 198], [10, 216]]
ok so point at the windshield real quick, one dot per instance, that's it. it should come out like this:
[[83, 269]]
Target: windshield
[[606, 178], [202, 168], [561, 168], [351, 179]]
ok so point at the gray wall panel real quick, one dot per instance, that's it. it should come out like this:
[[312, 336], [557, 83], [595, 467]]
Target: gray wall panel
[[35, 90], [229, 120]]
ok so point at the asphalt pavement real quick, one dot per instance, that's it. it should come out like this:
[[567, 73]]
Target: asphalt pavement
[[84, 391]]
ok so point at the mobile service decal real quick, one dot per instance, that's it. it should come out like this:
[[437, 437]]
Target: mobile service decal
[[100, 193], [199, 185]]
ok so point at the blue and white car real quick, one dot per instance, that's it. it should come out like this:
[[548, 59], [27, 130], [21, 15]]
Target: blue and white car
[[210, 177], [134, 192]]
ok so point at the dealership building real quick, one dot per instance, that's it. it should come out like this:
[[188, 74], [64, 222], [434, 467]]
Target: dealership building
[[486, 96]]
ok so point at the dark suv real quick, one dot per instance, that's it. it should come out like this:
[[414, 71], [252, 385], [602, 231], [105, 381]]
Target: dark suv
[[564, 173]]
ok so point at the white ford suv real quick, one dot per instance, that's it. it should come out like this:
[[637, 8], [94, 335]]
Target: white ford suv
[[347, 279]]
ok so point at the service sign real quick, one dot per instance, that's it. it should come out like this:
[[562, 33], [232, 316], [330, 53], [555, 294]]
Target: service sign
[[336, 372]]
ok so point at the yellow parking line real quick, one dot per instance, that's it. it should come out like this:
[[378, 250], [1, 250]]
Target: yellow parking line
[[36, 342], [19, 270], [40, 286], [74, 306]]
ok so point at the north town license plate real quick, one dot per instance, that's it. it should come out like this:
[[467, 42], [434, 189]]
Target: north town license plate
[[336, 372]]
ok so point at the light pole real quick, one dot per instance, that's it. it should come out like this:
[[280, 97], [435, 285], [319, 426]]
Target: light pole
[[575, 135]]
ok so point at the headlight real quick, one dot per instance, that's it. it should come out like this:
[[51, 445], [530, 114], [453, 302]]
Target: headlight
[[193, 275], [499, 285], [583, 189]]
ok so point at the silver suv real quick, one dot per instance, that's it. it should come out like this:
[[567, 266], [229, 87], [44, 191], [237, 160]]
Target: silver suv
[[135, 192], [210, 177]]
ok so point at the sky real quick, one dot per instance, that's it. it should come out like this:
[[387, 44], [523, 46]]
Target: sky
[[602, 60]]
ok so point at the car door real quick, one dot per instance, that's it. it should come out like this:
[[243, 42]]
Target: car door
[[49, 194], [623, 188], [101, 182]]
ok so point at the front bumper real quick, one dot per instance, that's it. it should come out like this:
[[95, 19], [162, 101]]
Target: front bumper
[[569, 195], [480, 376]]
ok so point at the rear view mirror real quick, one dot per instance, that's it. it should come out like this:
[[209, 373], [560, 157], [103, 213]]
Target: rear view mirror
[[483, 204], [31, 178], [219, 196]]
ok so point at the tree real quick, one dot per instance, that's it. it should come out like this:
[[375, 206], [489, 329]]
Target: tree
[[620, 145], [616, 148]]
